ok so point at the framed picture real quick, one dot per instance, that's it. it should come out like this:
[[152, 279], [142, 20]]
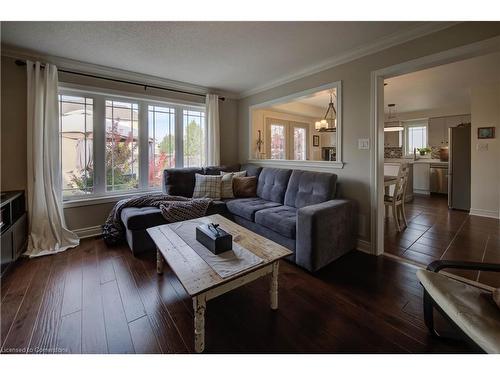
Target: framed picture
[[485, 133], [315, 140]]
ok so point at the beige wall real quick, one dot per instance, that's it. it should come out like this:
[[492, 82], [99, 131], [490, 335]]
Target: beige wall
[[485, 164], [13, 134], [354, 178], [13, 143]]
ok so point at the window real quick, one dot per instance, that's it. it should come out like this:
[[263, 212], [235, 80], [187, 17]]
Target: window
[[416, 135], [288, 140], [194, 138], [278, 141], [122, 146], [76, 129], [113, 145], [161, 142]]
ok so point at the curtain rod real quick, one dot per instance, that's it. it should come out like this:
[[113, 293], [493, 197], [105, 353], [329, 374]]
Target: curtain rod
[[23, 63]]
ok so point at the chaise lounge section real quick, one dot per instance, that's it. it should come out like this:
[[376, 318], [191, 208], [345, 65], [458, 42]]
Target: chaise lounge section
[[294, 208]]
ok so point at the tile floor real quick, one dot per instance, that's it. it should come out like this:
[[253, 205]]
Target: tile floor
[[434, 232]]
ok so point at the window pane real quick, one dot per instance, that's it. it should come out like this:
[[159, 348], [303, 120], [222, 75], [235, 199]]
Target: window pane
[[76, 129], [299, 144], [194, 138], [161, 142], [277, 141], [417, 138], [122, 146]]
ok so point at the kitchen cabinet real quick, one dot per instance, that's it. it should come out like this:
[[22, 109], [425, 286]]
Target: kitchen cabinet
[[437, 131], [421, 178], [392, 139]]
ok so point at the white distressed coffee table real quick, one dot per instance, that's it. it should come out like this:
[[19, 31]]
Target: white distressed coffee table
[[201, 282]]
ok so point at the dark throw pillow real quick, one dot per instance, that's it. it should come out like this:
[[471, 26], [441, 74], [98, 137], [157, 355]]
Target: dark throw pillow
[[245, 187]]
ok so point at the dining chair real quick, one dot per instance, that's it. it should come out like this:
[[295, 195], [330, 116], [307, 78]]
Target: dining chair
[[397, 200]]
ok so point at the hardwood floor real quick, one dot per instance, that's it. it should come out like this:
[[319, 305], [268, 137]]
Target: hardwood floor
[[93, 299], [434, 232]]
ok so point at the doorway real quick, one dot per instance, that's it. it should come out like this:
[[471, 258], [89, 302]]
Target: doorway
[[433, 231]]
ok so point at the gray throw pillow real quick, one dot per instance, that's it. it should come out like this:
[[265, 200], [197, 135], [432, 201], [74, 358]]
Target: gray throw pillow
[[207, 186]]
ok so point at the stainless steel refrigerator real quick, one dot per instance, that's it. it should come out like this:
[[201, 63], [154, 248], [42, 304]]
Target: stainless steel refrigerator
[[459, 167]]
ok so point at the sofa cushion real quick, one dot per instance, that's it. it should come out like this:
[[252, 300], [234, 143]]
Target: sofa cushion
[[306, 188], [216, 170], [272, 184], [140, 218], [282, 220], [180, 181], [247, 207], [252, 169]]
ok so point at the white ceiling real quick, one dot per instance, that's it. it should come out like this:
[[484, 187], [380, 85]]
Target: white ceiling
[[441, 87], [230, 56]]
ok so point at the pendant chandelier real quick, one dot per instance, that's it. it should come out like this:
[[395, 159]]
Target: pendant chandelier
[[329, 121]]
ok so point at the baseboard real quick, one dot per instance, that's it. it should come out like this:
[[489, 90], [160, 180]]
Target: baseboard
[[484, 213], [363, 246], [88, 232]]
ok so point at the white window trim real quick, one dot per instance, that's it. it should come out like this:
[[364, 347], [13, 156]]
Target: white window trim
[[100, 195]]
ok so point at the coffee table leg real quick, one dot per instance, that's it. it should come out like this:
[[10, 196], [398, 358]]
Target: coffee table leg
[[273, 291], [159, 262], [199, 305]]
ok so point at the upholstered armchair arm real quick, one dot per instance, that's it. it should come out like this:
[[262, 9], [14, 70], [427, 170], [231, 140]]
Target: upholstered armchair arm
[[438, 265], [324, 233]]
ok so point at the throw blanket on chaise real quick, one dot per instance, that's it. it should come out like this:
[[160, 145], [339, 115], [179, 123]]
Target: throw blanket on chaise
[[173, 208]]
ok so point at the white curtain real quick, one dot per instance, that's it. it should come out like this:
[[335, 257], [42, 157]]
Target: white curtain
[[213, 132], [47, 230]]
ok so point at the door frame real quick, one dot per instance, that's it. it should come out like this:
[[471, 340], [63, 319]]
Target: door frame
[[483, 47]]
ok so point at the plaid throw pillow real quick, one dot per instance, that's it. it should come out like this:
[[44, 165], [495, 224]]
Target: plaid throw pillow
[[226, 187], [207, 186]]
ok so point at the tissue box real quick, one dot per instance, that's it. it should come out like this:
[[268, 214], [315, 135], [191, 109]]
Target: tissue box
[[214, 239]]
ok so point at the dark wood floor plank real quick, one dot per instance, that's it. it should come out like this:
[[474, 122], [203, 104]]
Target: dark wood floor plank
[[15, 295], [106, 270], [164, 328], [69, 340], [143, 337], [93, 326], [20, 333], [132, 303], [117, 332], [72, 299], [44, 339]]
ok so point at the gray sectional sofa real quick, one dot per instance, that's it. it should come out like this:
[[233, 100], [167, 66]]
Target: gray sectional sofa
[[294, 208]]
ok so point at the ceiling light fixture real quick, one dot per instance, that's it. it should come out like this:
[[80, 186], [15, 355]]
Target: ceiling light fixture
[[392, 118], [328, 124]]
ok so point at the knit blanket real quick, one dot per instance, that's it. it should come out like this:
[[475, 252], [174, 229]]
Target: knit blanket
[[173, 209]]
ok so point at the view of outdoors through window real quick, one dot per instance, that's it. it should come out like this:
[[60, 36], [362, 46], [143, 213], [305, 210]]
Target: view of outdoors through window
[[278, 141], [161, 142], [194, 138], [76, 128], [122, 151], [299, 143], [417, 138]]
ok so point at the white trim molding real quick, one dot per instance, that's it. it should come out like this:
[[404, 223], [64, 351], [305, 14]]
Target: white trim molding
[[88, 232], [364, 246], [337, 85], [494, 214], [354, 54]]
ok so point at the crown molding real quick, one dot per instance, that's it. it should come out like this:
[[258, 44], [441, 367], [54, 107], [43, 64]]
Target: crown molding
[[354, 54], [109, 72]]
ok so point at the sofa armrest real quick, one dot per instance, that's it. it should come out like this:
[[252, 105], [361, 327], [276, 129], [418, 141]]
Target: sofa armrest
[[438, 265], [324, 233]]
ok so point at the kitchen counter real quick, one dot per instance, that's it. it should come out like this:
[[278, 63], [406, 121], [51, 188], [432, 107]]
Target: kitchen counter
[[418, 161]]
